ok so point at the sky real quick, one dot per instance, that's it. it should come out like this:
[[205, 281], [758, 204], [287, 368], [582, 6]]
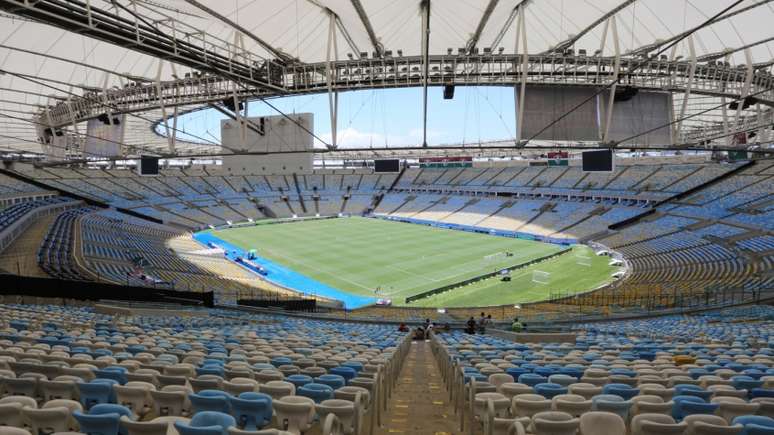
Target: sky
[[389, 117]]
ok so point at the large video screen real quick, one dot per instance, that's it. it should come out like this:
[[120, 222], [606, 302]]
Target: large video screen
[[149, 165], [598, 161], [387, 165]]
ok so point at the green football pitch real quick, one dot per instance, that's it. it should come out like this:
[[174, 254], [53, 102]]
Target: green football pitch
[[394, 260]]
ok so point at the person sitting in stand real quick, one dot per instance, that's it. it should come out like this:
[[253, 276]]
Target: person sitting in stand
[[403, 328], [516, 326], [471, 326]]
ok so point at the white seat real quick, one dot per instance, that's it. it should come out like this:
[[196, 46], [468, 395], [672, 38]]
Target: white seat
[[527, 405], [237, 386], [767, 406], [511, 389], [277, 389], [154, 427], [732, 407], [573, 404], [135, 396], [236, 431], [555, 423], [345, 412], [586, 390], [169, 402], [498, 379], [47, 420], [294, 413], [598, 422], [650, 404], [8, 430], [170, 421], [510, 426], [58, 389], [656, 424]]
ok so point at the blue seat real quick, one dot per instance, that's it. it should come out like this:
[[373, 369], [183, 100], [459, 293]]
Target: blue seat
[[206, 423], [544, 371], [575, 372], [745, 382], [97, 391], [252, 411], [338, 381], [755, 424], [357, 365], [347, 373], [102, 419], [210, 369], [210, 400], [549, 390], [532, 379], [280, 361], [689, 405], [116, 373], [299, 380], [316, 392], [623, 390], [692, 390], [516, 371], [761, 392]]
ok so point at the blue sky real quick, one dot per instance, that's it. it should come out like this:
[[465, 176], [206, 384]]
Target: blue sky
[[390, 117]]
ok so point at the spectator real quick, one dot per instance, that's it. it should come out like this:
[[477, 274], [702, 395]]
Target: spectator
[[482, 324], [516, 326], [471, 329], [446, 327], [403, 328]]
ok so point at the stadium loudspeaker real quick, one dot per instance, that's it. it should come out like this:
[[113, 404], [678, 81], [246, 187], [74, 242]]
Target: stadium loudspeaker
[[229, 103], [748, 101], [625, 94], [448, 92]]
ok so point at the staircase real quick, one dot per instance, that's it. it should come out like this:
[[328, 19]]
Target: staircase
[[503, 206], [379, 196], [298, 192]]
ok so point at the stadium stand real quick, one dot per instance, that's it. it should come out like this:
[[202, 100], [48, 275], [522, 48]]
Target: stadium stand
[[706, 373], [161, 365], [695, 227]]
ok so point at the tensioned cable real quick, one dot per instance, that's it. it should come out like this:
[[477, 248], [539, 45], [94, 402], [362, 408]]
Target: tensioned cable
[[86, 135], [629, 71], [22, 76]]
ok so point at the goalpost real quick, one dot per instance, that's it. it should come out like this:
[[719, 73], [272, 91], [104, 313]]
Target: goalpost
[[540, 277]]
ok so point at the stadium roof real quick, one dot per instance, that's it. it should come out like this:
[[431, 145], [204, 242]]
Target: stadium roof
[[46, 59]]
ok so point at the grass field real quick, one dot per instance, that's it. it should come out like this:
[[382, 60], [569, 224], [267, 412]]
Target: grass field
[[358, 255]]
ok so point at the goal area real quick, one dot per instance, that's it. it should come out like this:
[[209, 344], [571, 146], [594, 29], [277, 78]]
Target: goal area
[[540, 277]]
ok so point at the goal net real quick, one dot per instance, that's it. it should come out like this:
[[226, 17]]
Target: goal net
[[541, 277]]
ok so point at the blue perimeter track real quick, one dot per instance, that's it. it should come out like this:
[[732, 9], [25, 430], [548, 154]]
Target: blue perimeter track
[[285, 277]]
